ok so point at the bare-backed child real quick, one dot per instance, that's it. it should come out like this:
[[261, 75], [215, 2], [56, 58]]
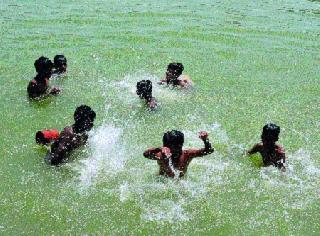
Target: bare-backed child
[[272, 153], [144, 91], [173, 161], [60, 65], [39, 86], [72, 136], [174, 76]]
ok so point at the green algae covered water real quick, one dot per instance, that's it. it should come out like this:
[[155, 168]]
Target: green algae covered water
[[251, 62]]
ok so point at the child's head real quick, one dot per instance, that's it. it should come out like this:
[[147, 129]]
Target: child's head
[[270, 133], [84, 117], [174, 70], [60, 63], [44, 66], [144, 89], [174, 140]]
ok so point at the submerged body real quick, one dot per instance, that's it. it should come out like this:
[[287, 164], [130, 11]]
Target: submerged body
[[272, 153], [60, 65], [144, 91], [39, 86], [68, 140], [72, 136], [174, 76]]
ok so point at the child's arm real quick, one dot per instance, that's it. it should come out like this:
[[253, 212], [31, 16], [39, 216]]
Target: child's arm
[[54, 91], [153, 153], [185, 81], [60, 147], [282, 161], [152, 104], [208, 149], [162, 81], [256, 148]]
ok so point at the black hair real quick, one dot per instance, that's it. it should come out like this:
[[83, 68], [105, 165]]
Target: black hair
[[173, 137], [270, 131], [84, 113], [59, 60], [43, 65], [40, 139], [176, 67], [144, 89]]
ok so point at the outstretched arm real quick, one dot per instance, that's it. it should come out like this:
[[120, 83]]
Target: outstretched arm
[[162, 81], [153, 153], [208, 149], [256, 148]]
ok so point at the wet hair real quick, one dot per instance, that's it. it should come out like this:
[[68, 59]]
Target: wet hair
[[177, 68], [40, 139], [84, 113], [144, 89], [59, 61], [270, 131], [173, 137], [43, 65]]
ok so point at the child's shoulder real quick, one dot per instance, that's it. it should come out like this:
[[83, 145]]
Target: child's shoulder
[[185, 81], [32, 82], [280, 149], [67, 131]]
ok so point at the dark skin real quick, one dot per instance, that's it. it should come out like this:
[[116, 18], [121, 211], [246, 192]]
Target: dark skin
[[39, 87], [272, 153], [172, 78], [61, 69], [70, 138], [150, 101], [173, 160]]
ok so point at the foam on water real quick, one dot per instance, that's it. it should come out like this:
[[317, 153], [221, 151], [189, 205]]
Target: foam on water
[[295, 189], [105, 155], [126, 88], [164, 200]]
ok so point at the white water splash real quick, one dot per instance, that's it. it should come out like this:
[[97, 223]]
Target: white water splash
[[105, 155], [126, 89], [165, 210]]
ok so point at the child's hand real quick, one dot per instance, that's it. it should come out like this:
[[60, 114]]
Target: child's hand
[[152, 104], [203, 135], [166, 152], [55, 90]]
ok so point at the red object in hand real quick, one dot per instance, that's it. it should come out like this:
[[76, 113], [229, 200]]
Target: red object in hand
[[45, 137]]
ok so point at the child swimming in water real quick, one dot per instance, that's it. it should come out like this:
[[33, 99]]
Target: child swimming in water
[[60, 64], [39, 86], [272, 153], [172, 160], [144, 91], [174, 76], [72, 136]]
